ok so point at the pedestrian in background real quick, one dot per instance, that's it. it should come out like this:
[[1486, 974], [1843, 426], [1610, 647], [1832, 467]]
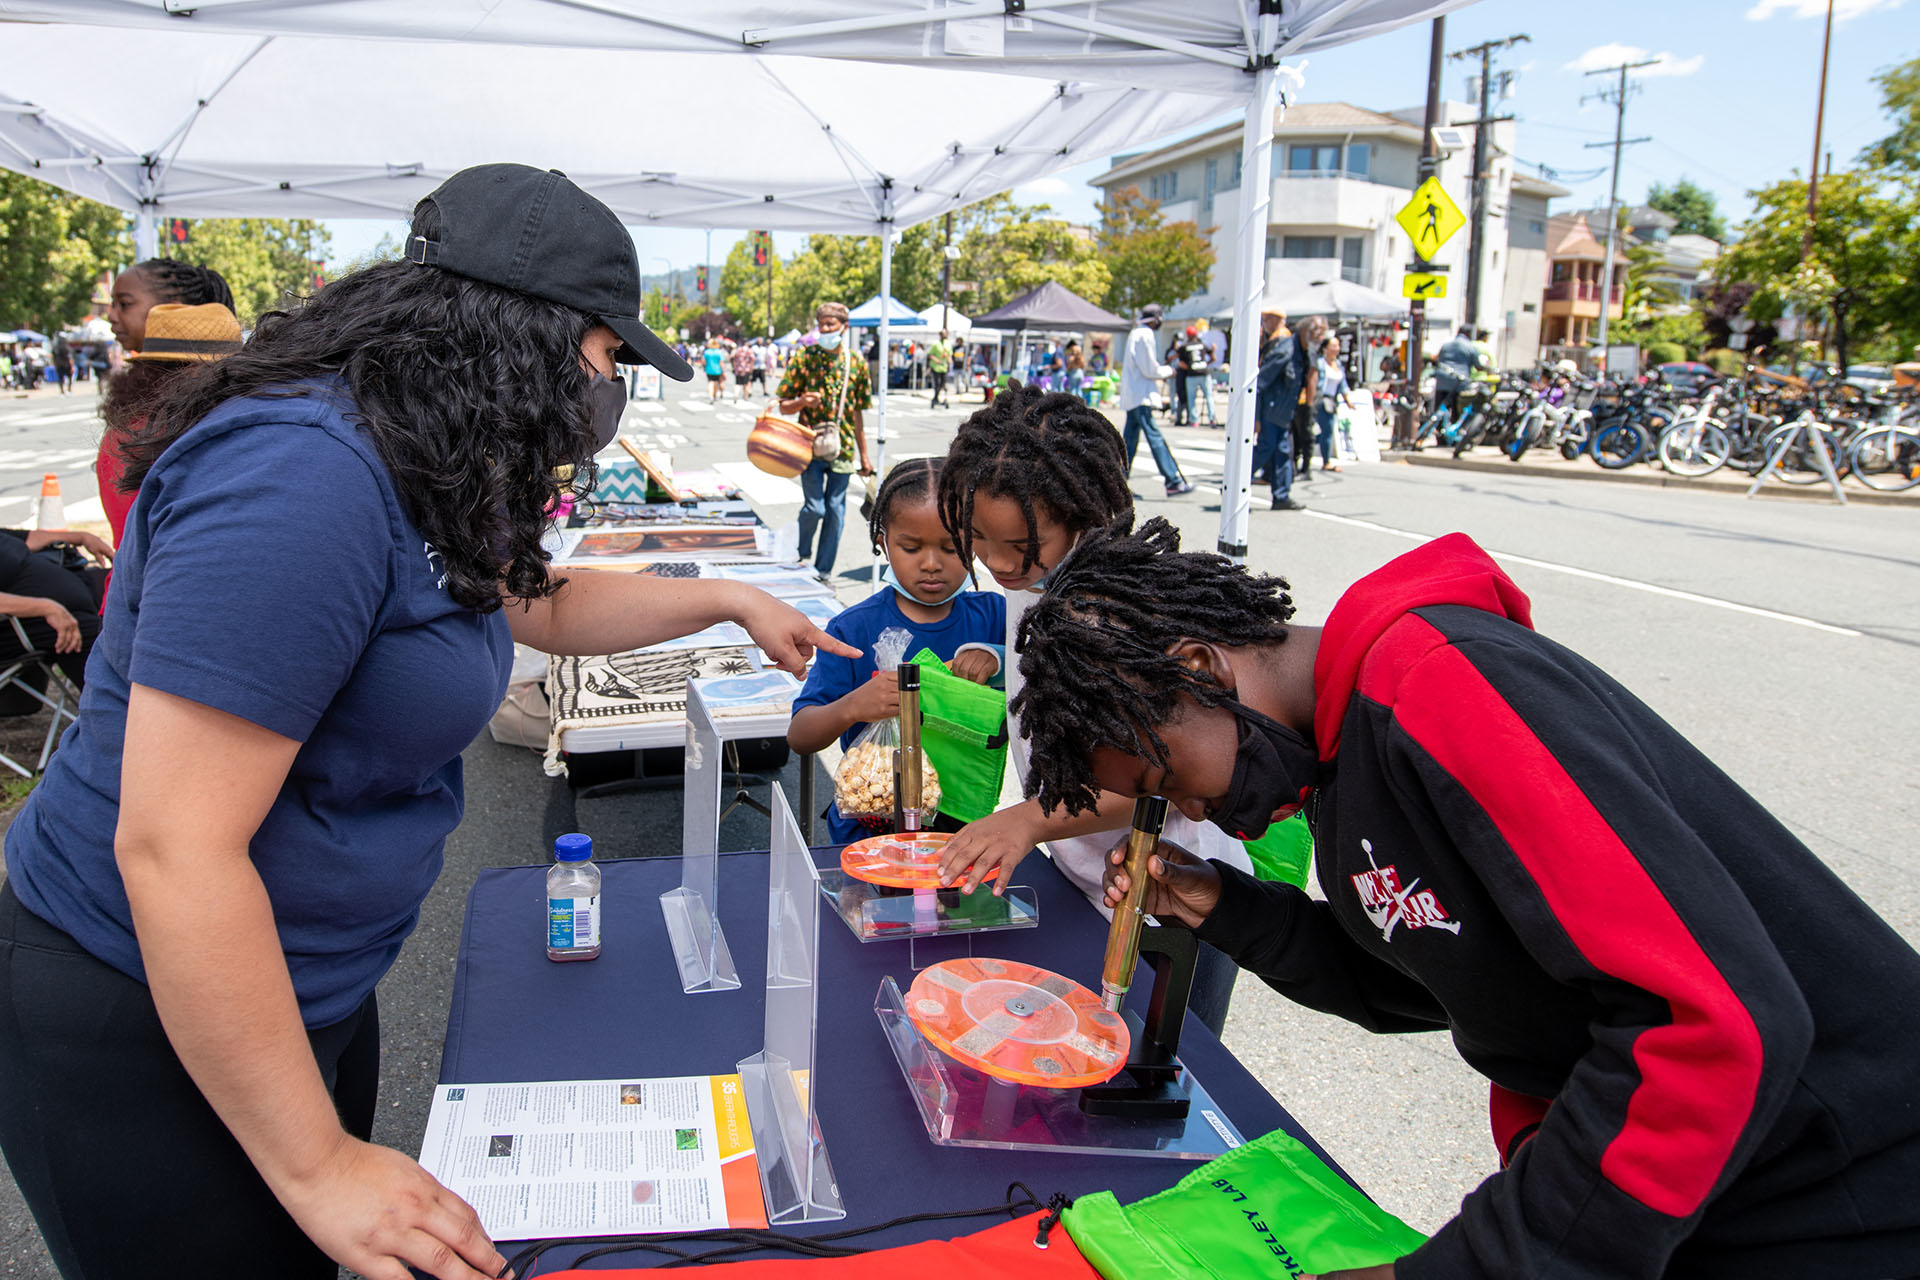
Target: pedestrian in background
[[1331, 396], [1140, 375], [742, 360], [1076, 370], [1276, 392], [828, 386], [762, 360], [939, 361], [62, 362], [713, 360], [1311, 333]]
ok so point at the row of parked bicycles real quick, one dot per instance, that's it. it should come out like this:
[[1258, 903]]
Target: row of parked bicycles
[[1763, 423]]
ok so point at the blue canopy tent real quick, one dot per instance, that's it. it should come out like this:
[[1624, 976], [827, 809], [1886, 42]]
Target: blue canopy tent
[[28, 335], [867, 314]]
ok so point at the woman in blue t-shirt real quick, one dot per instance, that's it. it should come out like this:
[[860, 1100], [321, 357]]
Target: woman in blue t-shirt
[[925, 594], [237, 834]]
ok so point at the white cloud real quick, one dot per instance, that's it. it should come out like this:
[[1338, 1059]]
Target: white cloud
[[1602, 56], [1842, 9], [1044, 188]]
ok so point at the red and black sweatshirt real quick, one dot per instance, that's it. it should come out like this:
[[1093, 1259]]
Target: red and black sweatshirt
[[1702, 1043]]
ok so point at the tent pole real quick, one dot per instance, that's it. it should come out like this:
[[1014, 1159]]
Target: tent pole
[[146, 236], [1256, 195], [886, 300]]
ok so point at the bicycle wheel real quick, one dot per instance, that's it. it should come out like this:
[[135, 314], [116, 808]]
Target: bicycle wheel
[[1695, 449], [1887, 458], [1797, 465], [1619, 446]]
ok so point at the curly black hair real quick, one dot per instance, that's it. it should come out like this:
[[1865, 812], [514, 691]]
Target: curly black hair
[[907, 481], [1094, 650], [472, 395], [174, 281], [1040, 449]]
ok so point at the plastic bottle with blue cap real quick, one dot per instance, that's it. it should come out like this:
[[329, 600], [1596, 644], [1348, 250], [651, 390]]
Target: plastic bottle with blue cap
[[573, 900]]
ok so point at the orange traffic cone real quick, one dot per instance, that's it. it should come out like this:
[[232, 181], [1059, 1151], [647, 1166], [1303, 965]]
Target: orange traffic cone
[[52, 513]]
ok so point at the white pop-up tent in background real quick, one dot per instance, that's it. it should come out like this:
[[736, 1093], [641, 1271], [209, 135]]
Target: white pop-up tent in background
[[356, 108]]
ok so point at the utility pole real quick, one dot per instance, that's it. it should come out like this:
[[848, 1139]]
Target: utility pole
[[946, 276], [1819, 123], [1429, 161], [1482, 144], [1619, 99], [706, 293]]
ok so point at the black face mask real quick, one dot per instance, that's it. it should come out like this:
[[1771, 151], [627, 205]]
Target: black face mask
[[606, 401], [1273, 768]]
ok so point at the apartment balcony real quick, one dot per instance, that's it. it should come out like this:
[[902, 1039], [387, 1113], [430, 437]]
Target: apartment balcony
[[1325, 198], [1578, 298]]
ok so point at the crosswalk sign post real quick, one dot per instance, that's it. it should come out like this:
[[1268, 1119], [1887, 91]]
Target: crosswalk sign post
[[1423, 284], [1430, 219]]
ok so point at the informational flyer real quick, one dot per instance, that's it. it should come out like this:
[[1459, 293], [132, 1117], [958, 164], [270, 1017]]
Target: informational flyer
[[597, 1157]]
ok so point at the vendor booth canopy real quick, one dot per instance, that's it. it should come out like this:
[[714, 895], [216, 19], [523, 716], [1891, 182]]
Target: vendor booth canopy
[[867, 314], [937, 317], [1327, 293], [1053, 308]]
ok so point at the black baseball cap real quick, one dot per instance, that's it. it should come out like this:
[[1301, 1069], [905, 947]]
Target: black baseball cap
[[535, 232]]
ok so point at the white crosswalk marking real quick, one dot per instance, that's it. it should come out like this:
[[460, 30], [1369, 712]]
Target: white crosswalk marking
[[49, 419], [733, 416], [645, 406], [695, 406]]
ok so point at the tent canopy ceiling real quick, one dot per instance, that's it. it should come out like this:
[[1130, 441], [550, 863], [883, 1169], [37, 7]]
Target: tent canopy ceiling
[[1195, 46], [1055, 308]]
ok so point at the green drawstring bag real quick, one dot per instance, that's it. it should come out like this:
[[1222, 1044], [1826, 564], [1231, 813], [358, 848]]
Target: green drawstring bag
[[1285, 852], [1266, 1209], [963, 730]]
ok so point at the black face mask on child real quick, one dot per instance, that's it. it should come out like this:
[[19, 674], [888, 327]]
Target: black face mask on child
[[1273, 769]]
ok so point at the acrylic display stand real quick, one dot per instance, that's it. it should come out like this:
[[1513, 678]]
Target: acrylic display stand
[[887, 887], [692, 910], [1155, 1107], [795, 1174]]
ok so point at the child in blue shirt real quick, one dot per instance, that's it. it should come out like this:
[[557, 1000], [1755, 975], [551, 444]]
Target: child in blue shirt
[[925, 594]]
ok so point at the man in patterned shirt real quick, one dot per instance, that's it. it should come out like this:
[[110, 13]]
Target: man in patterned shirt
[[827, 384]]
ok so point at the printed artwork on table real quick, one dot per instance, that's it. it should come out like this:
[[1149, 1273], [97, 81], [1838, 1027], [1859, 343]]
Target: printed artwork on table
[[719, 539], [645, 684]]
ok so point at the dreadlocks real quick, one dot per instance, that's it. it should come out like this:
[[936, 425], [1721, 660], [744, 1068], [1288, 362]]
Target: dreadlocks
[[1093, 650], [175, 281], [905, 483], [1036, 448]]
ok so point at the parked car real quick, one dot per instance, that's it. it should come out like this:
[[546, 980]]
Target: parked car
[[1687, 377]]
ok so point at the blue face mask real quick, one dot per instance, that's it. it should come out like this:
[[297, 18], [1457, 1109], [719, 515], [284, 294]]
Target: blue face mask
[[888, 576], [831, 341]]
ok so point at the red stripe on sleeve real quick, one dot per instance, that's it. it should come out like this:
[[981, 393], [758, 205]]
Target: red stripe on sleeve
[[1700, 1074]]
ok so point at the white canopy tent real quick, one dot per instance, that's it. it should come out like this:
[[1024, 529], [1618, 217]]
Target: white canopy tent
[[315, 108]]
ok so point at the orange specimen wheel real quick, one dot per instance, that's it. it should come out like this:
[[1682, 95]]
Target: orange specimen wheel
[[899, 862], [1016, 1022]]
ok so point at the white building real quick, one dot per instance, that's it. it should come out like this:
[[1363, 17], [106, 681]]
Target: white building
[[1340, 173]]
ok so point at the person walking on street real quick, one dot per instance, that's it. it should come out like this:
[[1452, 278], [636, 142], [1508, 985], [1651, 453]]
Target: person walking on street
[[1276, 391], [1076, 370], [762, 361], [1177, 357], [1191, 374], [62, 361], [828, 386], [1140, 374], [1331, 395], [939, 361], [742, 361], [1312, 330], [1453, 368], [715, 362]]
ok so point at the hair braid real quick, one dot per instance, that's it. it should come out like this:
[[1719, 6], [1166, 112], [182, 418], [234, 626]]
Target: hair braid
[[1094, 650], [1039, 449], [175, 281], [907, 480]]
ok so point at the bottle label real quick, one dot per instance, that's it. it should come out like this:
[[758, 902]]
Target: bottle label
[[573, 924]]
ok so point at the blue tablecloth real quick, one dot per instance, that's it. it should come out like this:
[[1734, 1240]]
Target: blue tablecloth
[[518, 1016]]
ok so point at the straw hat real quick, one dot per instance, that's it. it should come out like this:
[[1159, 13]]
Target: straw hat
[[176, 331]]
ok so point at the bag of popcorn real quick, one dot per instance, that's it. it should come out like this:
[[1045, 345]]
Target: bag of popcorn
[[864, 785]]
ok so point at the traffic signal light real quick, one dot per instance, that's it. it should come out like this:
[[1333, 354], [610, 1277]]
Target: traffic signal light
[[177, 232], [700, 279], [762, 247]]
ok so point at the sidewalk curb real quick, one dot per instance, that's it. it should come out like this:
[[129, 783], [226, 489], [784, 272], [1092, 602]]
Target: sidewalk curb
[[1859, 496]]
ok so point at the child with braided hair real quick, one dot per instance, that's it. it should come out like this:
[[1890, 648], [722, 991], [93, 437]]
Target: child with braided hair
[[134, 391], [1681, 1010], [926, 595], [1027, 478]]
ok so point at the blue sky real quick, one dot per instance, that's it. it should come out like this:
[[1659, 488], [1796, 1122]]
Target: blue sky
[[1731, 105]]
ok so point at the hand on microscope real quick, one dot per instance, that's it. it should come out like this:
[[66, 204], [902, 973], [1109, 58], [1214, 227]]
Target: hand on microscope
[[1179, 886]]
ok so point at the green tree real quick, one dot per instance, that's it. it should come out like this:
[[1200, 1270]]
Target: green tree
[[53, 246], [743, 288], [1151, 260], [1899, 152], [1692, 206], [386, 250], [1008, 248], [263, 260], [1862, 274]]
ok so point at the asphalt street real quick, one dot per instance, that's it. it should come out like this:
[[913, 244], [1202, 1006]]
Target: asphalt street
[[1777, 635]]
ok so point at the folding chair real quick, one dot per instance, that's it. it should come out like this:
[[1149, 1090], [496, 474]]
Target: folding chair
[[16, 673]]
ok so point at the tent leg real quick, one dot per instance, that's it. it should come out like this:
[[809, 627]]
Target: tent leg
[[1256, 188], [146, 237], [886, 302]]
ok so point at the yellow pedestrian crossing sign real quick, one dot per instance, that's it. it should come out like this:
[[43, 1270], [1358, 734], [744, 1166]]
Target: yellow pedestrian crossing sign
[[1420, 284], [1430, 219]]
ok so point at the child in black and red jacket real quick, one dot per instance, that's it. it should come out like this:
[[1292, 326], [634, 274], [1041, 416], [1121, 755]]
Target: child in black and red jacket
[[1700, 1040]]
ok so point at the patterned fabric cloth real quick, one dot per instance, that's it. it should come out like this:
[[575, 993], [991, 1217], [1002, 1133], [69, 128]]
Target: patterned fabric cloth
[[817, 369]]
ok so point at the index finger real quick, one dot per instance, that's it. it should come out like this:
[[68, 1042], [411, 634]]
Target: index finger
[[821, 640]]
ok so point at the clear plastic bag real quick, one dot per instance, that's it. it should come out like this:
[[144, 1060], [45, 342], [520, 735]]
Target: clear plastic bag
[[863, 785]]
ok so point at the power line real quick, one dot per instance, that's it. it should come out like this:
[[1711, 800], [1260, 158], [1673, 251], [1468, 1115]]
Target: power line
[[1618, 97]]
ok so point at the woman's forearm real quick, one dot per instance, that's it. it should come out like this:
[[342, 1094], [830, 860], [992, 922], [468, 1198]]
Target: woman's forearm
[[601, 611]]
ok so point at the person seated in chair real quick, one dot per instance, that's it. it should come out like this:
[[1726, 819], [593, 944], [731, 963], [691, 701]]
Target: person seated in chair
[[56, 593]]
